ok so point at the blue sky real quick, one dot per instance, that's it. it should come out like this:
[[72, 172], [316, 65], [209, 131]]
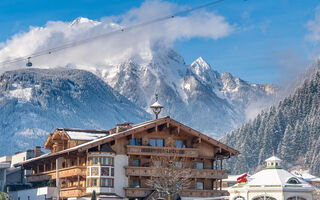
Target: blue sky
[[268, 44]]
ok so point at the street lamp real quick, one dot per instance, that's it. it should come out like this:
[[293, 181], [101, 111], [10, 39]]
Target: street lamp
[[156, 107]]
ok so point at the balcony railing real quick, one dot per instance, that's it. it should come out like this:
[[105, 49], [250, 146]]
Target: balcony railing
[[165, 151], [72, 192], [195, 173], [143, 192], [64, 172], [137, 192]]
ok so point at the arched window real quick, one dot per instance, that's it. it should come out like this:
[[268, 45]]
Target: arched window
[[293, 180], [239, 198], [264, 197], [296, 198]]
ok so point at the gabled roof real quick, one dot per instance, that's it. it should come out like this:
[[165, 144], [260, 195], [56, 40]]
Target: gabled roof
[[78, 134], [136, 129], [75, 134]]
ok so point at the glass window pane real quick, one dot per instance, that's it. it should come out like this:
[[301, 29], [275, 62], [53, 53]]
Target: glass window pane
[[139, 141], [178, 164], [199, 185], [184, 144], [160, 142], [94, 182], [112, 171], [136, 183], [178, 144], [95, 161], [153, 142], [136, 163], [199, 165], [104, 171], [94, 171], [133, 141]]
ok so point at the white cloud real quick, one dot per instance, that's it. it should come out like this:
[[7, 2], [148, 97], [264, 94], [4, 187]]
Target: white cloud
[[110, 50], [314, 27]]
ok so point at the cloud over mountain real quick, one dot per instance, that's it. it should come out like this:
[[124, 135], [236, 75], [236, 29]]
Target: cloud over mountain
[[135, 43]]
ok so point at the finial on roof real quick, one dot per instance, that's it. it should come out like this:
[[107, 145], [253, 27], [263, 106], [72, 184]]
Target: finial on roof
[[156, 107]]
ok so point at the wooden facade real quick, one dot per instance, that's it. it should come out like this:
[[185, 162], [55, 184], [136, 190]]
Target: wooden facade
[[86, 165]]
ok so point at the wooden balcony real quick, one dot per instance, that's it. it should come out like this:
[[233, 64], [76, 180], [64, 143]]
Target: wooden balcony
[[72, 192], [204, 193], [137, 192], [71, 171], [162, 151], [63, 173], [196, 173]]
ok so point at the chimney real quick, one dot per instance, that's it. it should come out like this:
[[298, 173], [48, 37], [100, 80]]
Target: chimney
[[123, 127], [37, 151]]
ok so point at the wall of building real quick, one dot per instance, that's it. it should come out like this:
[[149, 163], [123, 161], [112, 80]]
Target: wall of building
[[120, 178], [34, 194], [5, 159], [20, 157]]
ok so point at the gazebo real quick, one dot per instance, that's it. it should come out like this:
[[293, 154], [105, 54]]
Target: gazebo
[[272, 183]]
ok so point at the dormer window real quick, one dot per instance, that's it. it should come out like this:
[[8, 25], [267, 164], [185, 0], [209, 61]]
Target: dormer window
[[293, 180]]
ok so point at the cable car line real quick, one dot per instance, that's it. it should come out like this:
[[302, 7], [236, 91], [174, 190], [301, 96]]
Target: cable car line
[[80, 42]]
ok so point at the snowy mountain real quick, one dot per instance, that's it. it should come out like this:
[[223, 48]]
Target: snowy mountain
[[130, 68], [196, 94], [34, 102], [289, 129]]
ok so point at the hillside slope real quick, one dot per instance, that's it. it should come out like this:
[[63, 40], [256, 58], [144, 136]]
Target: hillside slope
[[291, 129], [33, 102]]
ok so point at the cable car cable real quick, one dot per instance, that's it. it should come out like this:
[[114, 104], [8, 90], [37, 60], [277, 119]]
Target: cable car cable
[[80, 42]]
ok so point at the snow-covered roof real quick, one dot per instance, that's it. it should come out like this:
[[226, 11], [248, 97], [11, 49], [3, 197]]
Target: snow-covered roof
[[305, 175], [273, 158], [274, 178], [84, 135]]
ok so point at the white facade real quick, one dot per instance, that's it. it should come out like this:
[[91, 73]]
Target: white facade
[[20, 157], [120, 178], [272, 183], [3, 174], [34, 194]]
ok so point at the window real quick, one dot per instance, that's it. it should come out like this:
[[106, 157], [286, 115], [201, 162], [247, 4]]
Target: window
[[296, 198], [157, 163], [199, 185], [293, 181], [199, 165], [112, 171], [157, 142], [94, 182], [93, 161], [181, 144], [136, 183], [105, 161], [136, 163], [136, 141], [94, 171], [179, 164], [239, 198], [264, 198], [108, 182], [104, 171]]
